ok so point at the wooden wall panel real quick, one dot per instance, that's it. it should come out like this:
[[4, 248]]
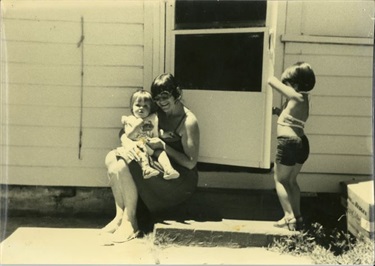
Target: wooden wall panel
[[104, 117], [113, 76], [341, 106], [328, 49], [113, 33], [344, 145], [62, 137], [42, 31], [43, 95], [343, 86], [127, 11], [55, 176], [43, 99], [337, 18], [44, 74], [334, 164], [110, 97], [32, 136], [339, 125], [121, 55], [332, 65], [56, 157], [102, 138], [43, 116], [42, 53]]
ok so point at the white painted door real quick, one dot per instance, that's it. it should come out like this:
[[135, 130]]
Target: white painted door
[[222, 63]]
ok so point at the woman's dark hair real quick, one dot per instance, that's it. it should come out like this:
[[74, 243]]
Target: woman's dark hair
[[145, 96], [165, 82], [300, 74]]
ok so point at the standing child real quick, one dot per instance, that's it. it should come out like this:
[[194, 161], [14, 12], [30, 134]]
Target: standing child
[[292, 144], [139, 127]]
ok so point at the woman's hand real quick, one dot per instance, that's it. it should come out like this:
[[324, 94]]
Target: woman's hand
[[128, 154], [156, 143]]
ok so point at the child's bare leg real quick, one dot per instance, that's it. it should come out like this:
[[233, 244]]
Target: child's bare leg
[[169, 171], [284, 192], [295, 191], [147, 170]]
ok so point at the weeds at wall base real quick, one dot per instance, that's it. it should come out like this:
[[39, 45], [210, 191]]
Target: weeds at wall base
[[327, 246]]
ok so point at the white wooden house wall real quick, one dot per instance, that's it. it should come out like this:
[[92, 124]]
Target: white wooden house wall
[[41, 100], [123, 51], [336, 38]]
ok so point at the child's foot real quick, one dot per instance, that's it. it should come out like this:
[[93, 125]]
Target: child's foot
[[149, 172], [287, 223], [170, 174]]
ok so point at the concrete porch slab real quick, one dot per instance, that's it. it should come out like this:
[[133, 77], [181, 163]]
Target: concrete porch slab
[[36, 245], [225, 233], [62, 244]]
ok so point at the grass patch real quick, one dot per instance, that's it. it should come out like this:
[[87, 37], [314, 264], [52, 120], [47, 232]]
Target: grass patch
[[326, 246]]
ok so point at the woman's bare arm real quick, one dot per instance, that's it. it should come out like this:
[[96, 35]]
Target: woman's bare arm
[[190, 142]]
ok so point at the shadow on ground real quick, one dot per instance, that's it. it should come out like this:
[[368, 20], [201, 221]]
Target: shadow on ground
[[207, 204], [259, 205]]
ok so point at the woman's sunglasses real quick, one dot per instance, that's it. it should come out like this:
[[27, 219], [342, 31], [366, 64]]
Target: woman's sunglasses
[[165, 95]]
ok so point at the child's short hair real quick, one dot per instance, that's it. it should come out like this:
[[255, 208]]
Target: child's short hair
[[300, 74], [143, 95]]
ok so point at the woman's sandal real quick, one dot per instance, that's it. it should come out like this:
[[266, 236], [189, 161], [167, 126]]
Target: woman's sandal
[[108, 239], [124, 238], [109, 228], [290, 224]]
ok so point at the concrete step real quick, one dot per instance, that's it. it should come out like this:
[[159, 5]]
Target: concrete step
[[233, 233]]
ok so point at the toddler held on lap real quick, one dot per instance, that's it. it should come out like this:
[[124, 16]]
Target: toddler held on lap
[[140, 127]]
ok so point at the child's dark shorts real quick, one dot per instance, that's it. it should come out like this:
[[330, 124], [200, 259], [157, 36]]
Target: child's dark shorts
[[292, 150]]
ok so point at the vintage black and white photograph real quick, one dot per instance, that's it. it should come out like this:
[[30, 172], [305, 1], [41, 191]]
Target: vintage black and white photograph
[[187, 132]]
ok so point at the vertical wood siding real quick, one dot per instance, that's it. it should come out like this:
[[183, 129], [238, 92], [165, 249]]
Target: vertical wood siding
[[44, 86]]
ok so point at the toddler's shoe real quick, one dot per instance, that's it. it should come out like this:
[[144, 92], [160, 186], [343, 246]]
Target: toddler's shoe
[[149, 172], [170, 174]]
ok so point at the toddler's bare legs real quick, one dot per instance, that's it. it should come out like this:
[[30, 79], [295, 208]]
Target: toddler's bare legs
[[147, 170], [169, 171]]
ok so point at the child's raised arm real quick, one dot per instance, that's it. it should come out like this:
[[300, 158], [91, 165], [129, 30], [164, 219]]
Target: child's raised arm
[[287, 91], [131, 125]]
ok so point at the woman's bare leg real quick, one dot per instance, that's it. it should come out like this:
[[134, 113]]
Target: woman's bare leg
[[114, 168], [129, 193]]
